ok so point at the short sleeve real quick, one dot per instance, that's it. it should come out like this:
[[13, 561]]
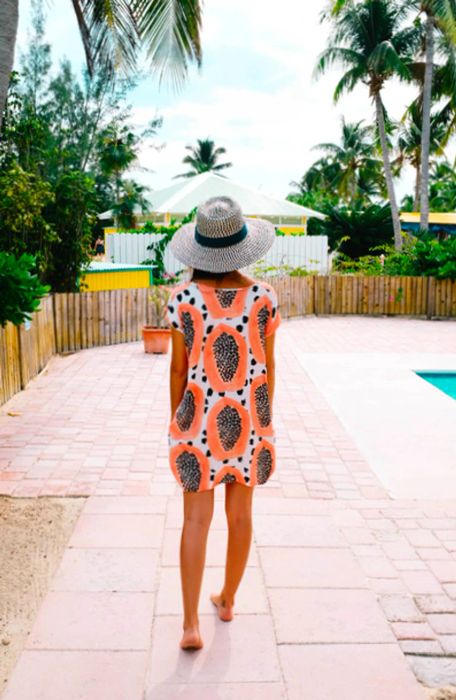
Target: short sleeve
[[275, 318], [172, 313]]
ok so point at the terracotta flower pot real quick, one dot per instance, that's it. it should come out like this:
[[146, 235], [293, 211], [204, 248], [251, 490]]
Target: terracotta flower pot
[[156, 340]]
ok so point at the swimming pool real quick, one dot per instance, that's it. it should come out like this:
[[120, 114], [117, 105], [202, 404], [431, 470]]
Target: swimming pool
[[445, 380]]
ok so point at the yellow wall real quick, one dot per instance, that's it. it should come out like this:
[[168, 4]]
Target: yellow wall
[[291, 229], [124, 279], [435, 217]]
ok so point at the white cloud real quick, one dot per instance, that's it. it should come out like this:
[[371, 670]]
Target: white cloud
[[268, 128]]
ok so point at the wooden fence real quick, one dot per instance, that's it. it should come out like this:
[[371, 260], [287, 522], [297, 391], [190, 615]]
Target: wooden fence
[[26, 349], [69, 322]]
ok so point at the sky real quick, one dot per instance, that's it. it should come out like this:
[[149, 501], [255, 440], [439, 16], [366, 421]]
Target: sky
[[255, 94]]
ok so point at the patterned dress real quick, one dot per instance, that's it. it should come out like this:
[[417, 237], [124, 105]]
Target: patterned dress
[[222, 429]]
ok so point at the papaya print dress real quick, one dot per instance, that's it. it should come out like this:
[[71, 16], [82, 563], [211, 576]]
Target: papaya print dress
[[222, 429]]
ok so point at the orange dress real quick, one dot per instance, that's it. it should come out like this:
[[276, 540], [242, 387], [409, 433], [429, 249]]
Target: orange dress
[[222, 429]]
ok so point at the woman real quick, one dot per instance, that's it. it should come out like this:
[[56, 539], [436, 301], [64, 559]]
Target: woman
[[221, 388]]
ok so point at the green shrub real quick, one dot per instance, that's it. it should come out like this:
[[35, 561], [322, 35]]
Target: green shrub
[[20, 288], [423, 256]]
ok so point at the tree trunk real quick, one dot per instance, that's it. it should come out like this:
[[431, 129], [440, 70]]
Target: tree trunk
[[426, 125], [9, 16], [388, 172], [416, 201]]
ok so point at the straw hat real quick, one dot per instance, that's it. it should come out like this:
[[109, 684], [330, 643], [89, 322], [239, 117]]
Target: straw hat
[[222, 239]]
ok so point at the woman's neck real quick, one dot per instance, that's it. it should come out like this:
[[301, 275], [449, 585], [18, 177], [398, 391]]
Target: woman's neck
[[232, 278]]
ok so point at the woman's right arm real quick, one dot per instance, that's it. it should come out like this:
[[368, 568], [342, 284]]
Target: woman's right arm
[[178, 370]]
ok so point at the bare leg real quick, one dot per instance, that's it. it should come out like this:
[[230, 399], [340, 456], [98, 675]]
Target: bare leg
[[198, 511], [238, 507]]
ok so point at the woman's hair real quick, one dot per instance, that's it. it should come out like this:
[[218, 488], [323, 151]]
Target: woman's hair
[[205, 274]]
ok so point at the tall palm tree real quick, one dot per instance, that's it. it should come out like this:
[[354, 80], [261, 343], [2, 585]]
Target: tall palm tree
[[117, 152], [368, 40], [203, 158], [439, 15], [113, 31], [444, 86], [357, 167], [410, 142]]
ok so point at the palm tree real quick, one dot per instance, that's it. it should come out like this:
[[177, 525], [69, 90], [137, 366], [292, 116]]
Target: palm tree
[[368, 40], [444, 85], [130, 197], [440, 15], [410, 143], [443, 186], [203, 158], [357, 169], [113, 31]]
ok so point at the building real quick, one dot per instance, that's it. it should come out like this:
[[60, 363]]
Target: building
[[442, 224], [175, 202]]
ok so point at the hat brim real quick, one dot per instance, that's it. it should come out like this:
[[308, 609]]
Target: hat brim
[[260, 237]]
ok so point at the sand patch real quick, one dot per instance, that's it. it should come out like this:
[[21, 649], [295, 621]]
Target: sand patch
[[33, 536]]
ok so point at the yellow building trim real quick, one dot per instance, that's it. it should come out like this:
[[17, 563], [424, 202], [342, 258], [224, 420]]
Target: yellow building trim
[[435, 217], [123, 279]]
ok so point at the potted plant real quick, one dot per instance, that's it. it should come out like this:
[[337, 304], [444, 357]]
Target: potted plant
[[156, 336]]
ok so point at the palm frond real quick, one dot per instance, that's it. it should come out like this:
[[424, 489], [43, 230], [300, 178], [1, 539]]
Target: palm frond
[[171, 31], [444, 14], [349, 80], [222, 166], [336, 54], [385, 60], [109, 34]]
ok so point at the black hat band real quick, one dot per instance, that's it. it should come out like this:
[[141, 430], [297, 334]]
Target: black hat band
[[222, 241]]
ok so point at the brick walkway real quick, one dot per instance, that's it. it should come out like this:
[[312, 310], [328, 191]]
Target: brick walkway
[[348, 593]]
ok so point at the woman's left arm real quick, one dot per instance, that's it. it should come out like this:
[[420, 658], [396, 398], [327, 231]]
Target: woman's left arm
[[178, 369]]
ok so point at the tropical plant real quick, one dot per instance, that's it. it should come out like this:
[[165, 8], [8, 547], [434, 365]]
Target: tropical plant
[[352, 168], [410, 143], [131, 197], [158, 247], [443, 186], [355, 230], [203, 158], [114, 31], [24, 227], [444, 85], [20, 288], [440, 15], [159, 297], [63, 149], [424, 255], [369, 41], [369, 264], [70, 216], [262, 269], [118, 147]]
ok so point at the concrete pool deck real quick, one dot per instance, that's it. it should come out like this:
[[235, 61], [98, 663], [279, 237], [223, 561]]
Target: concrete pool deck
[[349, 592], [404, 426]]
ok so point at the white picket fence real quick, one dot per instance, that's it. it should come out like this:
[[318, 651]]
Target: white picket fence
[[310, 252]]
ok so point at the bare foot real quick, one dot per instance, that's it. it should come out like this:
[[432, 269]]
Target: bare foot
[[225, 612], [191, 639]]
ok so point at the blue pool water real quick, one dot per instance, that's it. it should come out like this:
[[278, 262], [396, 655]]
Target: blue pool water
[[444, 380]]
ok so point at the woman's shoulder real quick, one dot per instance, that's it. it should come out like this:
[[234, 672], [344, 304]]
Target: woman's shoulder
[[177, 289], [266, 288]]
